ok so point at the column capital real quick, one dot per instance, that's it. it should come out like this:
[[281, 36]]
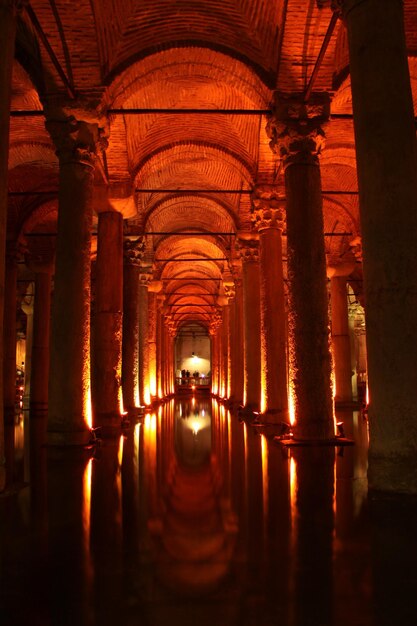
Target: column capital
[[268, 208], [145, 277], [133, 250], [229, 291], [356, 247], [249, 250], [76, 141], [295, 130], [15, 5], [343, 7]]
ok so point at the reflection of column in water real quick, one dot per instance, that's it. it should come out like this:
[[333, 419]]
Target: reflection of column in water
[[150, 451], [36, 436], [68, 555], [394, 557], [277, 533], [106, 529], [312, 535], [254, 511]]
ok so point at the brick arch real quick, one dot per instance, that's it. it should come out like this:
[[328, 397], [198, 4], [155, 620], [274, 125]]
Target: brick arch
[[201, 165], [144, 83], [182, 211]]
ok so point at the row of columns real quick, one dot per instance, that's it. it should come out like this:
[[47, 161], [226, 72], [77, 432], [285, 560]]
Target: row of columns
[[384, 125]]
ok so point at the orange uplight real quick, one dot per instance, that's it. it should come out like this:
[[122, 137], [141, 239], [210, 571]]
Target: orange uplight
[[121, 405], [147, 396], [87, 503], [88, 409], [120, 451], [136, 395], [291, 405]]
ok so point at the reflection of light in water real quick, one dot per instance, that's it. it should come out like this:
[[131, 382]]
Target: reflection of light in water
[[203, 412], [195, 426], [293, 491], [136, 436], [264, 447], [193, 401], [86, 514], [197, 423], [120, 451]]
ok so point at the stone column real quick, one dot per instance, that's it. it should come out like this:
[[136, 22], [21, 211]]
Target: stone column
[[238, 340], [40, 341], [9, 365], [342, 358], [9, 334], [27, 306], [132, 251], [268, 219], [386, 155], [8, 14], [224, 346], [298, 142], [69, 418], [159, 346], [251, 323], [230, 293], [143, 308], [153, 289], [107, 346]]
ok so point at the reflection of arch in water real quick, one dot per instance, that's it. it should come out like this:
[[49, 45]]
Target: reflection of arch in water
[[195, 538]]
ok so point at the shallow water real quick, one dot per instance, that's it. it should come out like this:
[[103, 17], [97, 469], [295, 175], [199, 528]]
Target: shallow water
[[192, 518]]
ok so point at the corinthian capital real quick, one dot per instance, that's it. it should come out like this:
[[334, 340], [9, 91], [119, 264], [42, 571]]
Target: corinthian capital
[[356, 247], [133, 250], [76, 141], [295, 129], [342, 7], [268, 208], [249, 250]]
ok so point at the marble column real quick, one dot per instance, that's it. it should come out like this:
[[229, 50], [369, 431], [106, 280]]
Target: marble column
[[132, 254], [224, 346], [249, 249], [9, 334], [108, 320], [69, 419], [27, 306], [152, 330], [8, 15], [40, 342], [238, 345], [386, 153], [298, 143], [230, 293], [342, 358], [143, 308], [268, 218], [9, 363]]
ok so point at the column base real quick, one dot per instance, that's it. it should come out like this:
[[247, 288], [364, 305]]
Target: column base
[[69, 438], [108, 424], [38, 410], [310, 443], [354, 405]]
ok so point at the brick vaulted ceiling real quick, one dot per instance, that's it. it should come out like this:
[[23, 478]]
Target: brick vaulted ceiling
[[182, 54]]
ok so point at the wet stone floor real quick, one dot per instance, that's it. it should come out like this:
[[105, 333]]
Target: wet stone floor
[[191, 518]]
